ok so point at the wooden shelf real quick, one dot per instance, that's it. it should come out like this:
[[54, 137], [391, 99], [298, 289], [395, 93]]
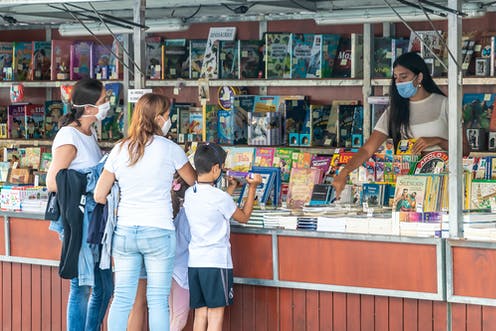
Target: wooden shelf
[[258, 82]]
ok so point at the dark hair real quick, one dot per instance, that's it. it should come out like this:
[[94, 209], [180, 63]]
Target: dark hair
[[207, 155], [179, 187], [399, 116], [85, 92]]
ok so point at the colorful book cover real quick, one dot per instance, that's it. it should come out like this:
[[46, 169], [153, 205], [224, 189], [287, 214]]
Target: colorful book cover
[[115, 64], [478, 110], [6, 60], [61, 59], [31, 158], [53, 112], [80, 60], [23, 52], [302, 159], [196, 54], [112, 127], [212, 120], [278, 55], [240, 158], [195, 121], [17, 121], [184, 119], [176, 59], [4, 119], [322, 162], [382, 57], [302, 54], [330, 44], [100, 61], [410, 192], [481, 194], [301, 183], [46, 159], [35, 121], [153, 57], [40, 60], [320, 118], [264, 128], [242, 105], [267, 103], [251, 62], [264, 156], [225, 126], [11, 154], [342, 62], [283, 160], [229, 59], [372, 194], [176, 110], [263, 190], [405, 146]]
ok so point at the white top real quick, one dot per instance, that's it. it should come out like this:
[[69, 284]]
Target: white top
[[428, 118], [145, 187], [209, 210], [88, 152], [183, 237]]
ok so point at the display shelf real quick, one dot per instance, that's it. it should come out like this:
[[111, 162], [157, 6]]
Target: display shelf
[[258, 82], [44, 142], [47, 83], [444, 81]]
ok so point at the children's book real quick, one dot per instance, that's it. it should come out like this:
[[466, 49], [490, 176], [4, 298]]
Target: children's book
[[35, 121], [283, 160], [242, 105], [265, 128], [240, 158], [61, 59], [266, 191], [302, 53], [342, 62], [405, 146], [153, 57], [264, 156], [113, 124], [53, 113], [212, 120], [278, 55], [17, 121], [40, 60], [330, 44], [225, 127], [478, 110], [80, 60], [195, 121], [196, 54], [322, 162], [46, 159], [301, 183], [482, 192], [11, 154], [100, 56], [302, 159], [6, 63], [372, 194], [229, 59], [175, 59], [31, 158], [410, 192], [251, 64], [22, 59]]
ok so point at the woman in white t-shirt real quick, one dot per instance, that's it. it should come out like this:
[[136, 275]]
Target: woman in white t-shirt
[[418, 109], [144, 164], [75, 147]]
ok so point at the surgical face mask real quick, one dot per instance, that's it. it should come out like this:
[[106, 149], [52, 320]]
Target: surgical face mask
[[406, 89], [166, 127], [102, 110]]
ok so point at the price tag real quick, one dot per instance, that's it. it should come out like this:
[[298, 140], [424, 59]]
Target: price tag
[[134, 94]]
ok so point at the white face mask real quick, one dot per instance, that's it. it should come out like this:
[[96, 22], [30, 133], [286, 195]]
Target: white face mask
[[166, 127], [102, 110]]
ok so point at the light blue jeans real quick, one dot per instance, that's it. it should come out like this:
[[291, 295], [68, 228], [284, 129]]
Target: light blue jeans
[[131, 247]]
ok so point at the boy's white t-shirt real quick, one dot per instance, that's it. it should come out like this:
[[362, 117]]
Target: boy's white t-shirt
[[428, 118], [88, 152], [145, 186], [209, 211]]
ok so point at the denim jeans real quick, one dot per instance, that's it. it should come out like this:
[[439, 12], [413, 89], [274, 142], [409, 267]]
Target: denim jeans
[[131, 247], [85, 312]]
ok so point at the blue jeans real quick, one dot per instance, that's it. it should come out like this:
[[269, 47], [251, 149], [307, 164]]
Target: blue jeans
[[85, 312], [131, 246]]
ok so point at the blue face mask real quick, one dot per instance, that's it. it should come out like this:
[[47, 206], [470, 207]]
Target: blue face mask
[[406, 89]]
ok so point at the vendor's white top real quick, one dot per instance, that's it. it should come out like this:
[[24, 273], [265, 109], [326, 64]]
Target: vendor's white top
[[209, 210], [88, 152], [145, 186], [428, 118]]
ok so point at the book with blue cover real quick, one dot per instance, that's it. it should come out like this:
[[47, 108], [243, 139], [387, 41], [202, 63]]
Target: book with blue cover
[[100, 61], [242, 105], [225, 126], [330, 44], [372, 194], [54, 109], [40, 60], [302, 54], [196, 54], [229, 59]]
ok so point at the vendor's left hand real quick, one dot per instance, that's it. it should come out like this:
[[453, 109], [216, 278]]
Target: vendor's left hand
[[422, 143]]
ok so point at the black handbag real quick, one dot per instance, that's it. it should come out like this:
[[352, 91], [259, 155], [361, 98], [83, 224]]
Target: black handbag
[[52, 211]]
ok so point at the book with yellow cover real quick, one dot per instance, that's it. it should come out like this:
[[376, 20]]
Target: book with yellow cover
[[301, 185], [405, 146]]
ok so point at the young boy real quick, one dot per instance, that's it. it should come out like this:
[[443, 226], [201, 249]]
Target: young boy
[[209, 210]]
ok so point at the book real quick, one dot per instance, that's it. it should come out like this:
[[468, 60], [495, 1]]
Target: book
[[301, 159], [356, 55], [45, 160], [240, 158], [31, 158], [224, 128], [210, 65], [53, 113], [314, 69], [283, 160], [318, 126], [60, 59], [330, 44], [298, 117], [332, 123], [342, 62], [322, 194], [410, 192], [196, 54], [176, 55], [264, 156], [350, 123], [277, 55], [211, 123], [322, 162], [4, 118], [478, 109], [35, 121], [17, 121], [116, 58], [372, 194], [378, 105], [301, 183], [153, 57], [301, 55], [11, 154], [251, 63], [432, 163], [229, 59], [40, 60], [4, 171], [405, 146], [382, 57], [112, 126], [22, 59], [242, 105], [6, 60], [264, 128], [263, 190], [100, 56], [80, 60]]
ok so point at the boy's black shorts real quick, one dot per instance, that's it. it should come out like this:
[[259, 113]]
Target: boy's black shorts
[[210, 287]]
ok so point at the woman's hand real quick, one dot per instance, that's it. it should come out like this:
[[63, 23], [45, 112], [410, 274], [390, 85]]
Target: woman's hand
[[339, 183], [422, 143]]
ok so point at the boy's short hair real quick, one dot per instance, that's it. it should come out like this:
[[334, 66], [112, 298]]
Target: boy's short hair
[[207, 155]]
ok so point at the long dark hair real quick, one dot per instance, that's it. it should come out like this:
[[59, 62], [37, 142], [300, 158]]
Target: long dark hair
[[85, 91], [399, 119]]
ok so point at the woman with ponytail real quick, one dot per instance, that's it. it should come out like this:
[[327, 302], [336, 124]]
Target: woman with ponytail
[[417, 109]]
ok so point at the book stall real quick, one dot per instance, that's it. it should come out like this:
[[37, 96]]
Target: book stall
[[406, 241]]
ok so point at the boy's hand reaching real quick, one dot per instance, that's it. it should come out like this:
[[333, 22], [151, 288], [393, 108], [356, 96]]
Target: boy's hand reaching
[[253, 179]]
